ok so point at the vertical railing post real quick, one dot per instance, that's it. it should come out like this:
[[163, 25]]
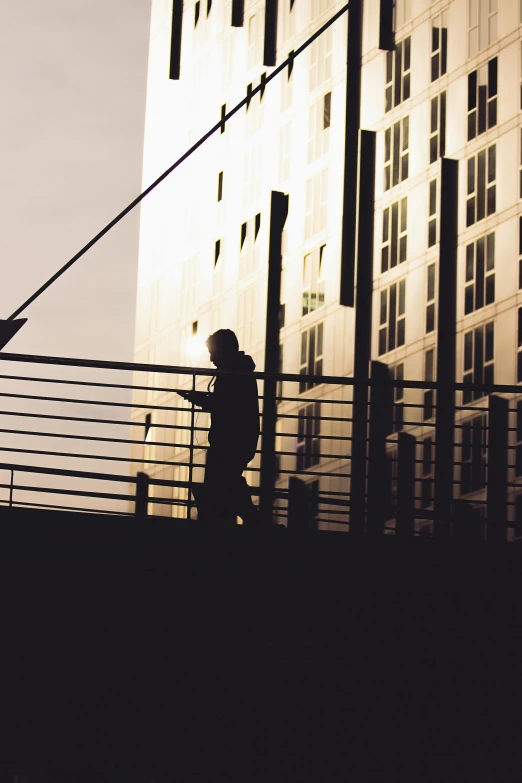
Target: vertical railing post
[[379, 475], [142, 496], [191, 451], [363, 319], [298, 505], [405, 516], [11, 490], [497, 468], [446, 344], [466, 522], [278, 215]]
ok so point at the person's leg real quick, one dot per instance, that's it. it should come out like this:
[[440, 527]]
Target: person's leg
[[242, 497], [217, 486]]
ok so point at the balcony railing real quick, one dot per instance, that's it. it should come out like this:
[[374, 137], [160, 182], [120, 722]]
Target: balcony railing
[[114, 438]]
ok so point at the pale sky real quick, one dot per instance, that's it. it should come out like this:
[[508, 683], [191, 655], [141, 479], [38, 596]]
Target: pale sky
[[71, 139], [71, 143]]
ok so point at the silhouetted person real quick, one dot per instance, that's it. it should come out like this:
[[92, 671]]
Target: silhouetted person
[[234, 431]]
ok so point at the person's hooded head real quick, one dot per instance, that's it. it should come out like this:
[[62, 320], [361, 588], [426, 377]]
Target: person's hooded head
[[222, 347]]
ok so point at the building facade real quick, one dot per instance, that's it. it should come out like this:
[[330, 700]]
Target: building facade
[[449, 84]]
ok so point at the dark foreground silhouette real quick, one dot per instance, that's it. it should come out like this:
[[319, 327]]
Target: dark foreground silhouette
[[234, 431]]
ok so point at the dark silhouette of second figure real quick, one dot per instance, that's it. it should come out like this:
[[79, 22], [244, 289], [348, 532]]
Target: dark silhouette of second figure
[[234, 431]]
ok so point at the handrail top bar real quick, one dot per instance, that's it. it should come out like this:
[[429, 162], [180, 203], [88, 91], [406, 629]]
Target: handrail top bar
[[295, 377]]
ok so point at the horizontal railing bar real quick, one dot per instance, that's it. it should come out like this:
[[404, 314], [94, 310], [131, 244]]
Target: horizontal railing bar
[[100, 456], [145, 406], [70, 508], [291, 377], [78, 492], [307, 472], [82, 419], [313, 399], [66, 472], [97, 438]]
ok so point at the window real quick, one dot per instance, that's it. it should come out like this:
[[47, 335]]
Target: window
[[520, 252], [327, 113], [255, 41], [196, 13], [209, 7], [288, 20], [439, 45], [481, 197], [252, 174], [397, 374], [430, 298], [316, 203], [319, 128], [519, 346], [479, 356], [432, 213], [217, 251], [437, 127], [482, 99], [520, 172], [320, 7], [254, 113], [189, 286], [398, 72], [220, 186], [521, 74], [308, 430], [392, 318], [396, 153], [429, 375], [321, 59], [285, 146], [311, 362], [287, 87], [518, 449], [313, 281], [479, 285], [394, 234], [473, 454], [427, 473], [402, 13], [249, 249], [482, 24], [246, 317]]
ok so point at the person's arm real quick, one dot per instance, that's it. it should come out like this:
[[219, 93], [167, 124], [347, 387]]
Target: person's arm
[[201, 399]]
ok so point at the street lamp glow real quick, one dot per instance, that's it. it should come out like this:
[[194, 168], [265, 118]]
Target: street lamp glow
[[196, 346]]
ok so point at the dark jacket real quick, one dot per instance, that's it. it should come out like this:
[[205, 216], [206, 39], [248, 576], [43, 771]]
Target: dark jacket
[[234, 409]]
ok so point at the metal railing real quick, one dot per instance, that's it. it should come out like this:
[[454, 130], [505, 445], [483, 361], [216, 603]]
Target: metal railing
[[75, 440]]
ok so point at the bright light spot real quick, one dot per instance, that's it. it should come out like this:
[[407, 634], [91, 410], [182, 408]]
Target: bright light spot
[[196, 346]]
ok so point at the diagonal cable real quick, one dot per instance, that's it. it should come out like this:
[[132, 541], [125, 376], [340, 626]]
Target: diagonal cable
[[175, 165]]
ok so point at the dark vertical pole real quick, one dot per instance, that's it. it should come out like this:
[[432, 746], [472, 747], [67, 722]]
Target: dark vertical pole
[[270, 44], [446, 337], [405, 518], [298, 505], [497, 468], [142, 496], [351, 149], [386, 35], [466, 522], [278, 214], [381, 421], [363, 321], [191, 451], [238, 10], [175, 39]]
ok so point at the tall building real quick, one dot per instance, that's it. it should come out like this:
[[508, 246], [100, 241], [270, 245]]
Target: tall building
[[437, 79]]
